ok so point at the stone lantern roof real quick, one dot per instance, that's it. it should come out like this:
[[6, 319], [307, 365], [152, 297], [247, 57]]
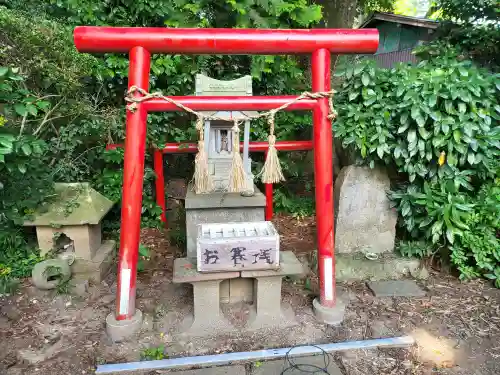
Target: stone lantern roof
[[75, 204]]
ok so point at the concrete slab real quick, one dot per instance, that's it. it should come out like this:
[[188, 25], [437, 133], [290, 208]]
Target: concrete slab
[[289, 265], [185, 272], [395, 288], [304, 363], [353, 267], [224, 370]]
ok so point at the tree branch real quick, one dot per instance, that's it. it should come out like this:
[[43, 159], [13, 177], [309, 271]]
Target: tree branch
[[46, 118]]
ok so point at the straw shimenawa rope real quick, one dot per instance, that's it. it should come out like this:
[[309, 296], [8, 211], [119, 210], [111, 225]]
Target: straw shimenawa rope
[[271, 172], [237, 175], [203, 182]]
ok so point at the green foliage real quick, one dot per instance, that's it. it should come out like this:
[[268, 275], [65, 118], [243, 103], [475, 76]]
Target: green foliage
[[154, 353], [298, 206], [8, 284], [473, 26], [144, 254], [76, 146], [477, 250], [44, 51], [64, 287], [419, 249], [438, 211], [110, 183], [469, 11], [24, 178], [174, 74], [16, 254], [411, 114], [435, 124], [368, 6]]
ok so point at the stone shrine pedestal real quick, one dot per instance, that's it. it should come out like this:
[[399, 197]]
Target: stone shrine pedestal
[[222, 207]]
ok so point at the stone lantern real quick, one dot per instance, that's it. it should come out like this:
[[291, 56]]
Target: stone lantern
[[71, 223]]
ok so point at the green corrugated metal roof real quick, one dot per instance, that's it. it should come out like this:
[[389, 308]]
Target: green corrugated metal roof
[[397, 18]]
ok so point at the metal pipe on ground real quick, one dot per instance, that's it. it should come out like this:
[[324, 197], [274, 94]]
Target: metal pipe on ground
[[258, 355]]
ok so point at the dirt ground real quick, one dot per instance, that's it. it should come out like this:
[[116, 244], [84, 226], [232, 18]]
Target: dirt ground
[[457, 325]]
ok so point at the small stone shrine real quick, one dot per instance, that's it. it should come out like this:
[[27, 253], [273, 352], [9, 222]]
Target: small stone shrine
[[219, 134], [232, 253], [219, 206], [72, 224]]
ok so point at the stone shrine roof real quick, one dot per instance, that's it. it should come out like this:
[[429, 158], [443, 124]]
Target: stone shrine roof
[[75, 204], [231, 115]]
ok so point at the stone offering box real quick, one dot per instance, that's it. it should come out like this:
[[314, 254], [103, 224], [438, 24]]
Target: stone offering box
[[72, 223], [219, 207], [237, 247]]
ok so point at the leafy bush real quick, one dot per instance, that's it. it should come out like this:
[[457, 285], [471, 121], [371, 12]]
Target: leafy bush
[[16, 255], [25, 180], [467, 222], [410, 115], [8, 285], [97, 83], [477, 251], [440, 204], [472, 25], [414, 248], [298, 206], [435, 124]]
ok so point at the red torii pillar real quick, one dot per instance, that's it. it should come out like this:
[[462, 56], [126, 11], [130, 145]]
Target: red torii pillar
[[140, 43]]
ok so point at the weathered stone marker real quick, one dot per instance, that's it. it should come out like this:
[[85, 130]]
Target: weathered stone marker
[[364, 220], [237, 246], [365, 228]]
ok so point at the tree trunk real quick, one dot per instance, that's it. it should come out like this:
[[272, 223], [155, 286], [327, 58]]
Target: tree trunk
[[338, 13]]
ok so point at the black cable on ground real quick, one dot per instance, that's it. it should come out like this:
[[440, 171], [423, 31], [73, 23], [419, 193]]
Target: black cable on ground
[[304, 368]]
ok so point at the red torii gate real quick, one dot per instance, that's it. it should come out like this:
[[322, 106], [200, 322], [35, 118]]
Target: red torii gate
[[140, 42]]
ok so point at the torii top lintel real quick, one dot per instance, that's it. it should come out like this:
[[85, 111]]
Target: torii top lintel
[[226, 41]]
